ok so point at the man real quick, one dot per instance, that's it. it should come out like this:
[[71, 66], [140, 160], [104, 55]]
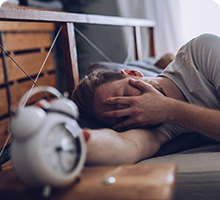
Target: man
[[196, 71], [194, 77]]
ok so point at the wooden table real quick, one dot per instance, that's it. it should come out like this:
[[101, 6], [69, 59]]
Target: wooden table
[[148, 182]]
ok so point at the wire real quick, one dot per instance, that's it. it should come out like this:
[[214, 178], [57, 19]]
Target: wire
[[54, 41], [6, 74], [93, 45], [2, 150], [23, 70]]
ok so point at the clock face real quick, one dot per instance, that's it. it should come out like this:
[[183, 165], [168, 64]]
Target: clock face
[[62, 149]]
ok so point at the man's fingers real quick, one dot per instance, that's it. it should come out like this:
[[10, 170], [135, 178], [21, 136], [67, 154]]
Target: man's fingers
[[144, 87], [117, 113], [86, 134], [118, 100]]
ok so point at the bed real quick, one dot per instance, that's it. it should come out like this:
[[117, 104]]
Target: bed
[[197, 157]]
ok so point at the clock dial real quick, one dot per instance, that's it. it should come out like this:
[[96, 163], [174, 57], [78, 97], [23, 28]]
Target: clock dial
[[62, 148]]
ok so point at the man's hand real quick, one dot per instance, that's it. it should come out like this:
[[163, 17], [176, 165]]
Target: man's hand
[[146, 109]]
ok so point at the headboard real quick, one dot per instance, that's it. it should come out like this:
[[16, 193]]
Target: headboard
[[66, 20]]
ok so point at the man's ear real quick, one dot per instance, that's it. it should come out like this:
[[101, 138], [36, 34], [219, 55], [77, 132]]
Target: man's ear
[[132, 72]]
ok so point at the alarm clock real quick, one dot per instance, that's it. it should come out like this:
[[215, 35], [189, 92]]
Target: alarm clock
[[48, 147]]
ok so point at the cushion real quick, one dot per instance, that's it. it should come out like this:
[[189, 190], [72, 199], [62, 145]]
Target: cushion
[[145, 66]]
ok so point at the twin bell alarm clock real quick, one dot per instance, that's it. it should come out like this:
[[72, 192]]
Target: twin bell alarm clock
[[48, 147]]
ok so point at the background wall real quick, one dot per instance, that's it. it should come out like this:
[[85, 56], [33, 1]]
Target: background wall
[[199, 16], [107, 38], [117, 42], [166, 15]]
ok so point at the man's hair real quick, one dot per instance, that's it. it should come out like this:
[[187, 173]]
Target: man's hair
[[83, 94]]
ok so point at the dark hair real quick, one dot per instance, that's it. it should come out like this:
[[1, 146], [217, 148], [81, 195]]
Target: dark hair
[[83, 94]]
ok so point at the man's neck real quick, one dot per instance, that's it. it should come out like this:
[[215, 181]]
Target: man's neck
[[166, 87]]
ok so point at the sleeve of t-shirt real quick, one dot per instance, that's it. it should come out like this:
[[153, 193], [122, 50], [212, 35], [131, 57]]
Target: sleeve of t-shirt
[[207, 48], [172, 131]]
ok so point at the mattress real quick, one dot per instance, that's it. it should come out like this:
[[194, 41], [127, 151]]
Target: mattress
[[198, 175]]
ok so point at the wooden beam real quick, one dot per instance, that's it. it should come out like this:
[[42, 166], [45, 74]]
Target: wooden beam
[[137, 41], [151, 43], [70, 56], [26, 27], [8, 13]]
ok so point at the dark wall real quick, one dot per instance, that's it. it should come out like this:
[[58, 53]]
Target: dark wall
[[109, 39]]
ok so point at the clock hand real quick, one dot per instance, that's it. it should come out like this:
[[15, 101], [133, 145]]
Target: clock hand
[[60, 149]]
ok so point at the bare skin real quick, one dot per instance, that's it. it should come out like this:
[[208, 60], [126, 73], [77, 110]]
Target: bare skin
[[111, 108], [108, 97], [108, 147], [159, 109]]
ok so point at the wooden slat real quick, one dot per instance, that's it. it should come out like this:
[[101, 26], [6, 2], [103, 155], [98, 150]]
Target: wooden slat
[[4, 131], [18, 90], [70, 57], [26, 27], [49, 80], [3, 102], [2, 79], [26, 41], [151, 43], [27, 14], [30, 62], [137, 40]]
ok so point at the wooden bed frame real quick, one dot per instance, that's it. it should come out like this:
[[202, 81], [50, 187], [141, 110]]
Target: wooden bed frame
[[68, 35], [14, 31], [44, 21]]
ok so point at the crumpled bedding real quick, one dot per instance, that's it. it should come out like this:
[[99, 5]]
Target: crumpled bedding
[[145, 66], [198, 176]]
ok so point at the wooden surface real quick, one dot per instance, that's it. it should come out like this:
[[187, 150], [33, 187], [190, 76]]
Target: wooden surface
[[137, 41], [70, 56], [21, 35], [133, 182], [26, 27], [17, 13], [28, 44], [28, 14]]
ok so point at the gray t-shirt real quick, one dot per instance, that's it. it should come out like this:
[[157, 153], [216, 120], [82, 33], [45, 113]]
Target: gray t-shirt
[[196, 72]]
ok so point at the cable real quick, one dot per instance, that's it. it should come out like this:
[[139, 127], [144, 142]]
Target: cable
[[5, 74], [23, 70], [4, 146], [93, 45], [54, 41]]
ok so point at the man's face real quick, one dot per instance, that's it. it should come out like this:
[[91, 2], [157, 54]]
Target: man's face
[[112, 89]]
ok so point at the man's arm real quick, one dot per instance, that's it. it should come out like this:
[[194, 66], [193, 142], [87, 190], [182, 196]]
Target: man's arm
[[153, 108], [107, 147], [201, 120]]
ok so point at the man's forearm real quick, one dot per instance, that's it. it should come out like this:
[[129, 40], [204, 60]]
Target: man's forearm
[[202, 120], [106, 146]]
